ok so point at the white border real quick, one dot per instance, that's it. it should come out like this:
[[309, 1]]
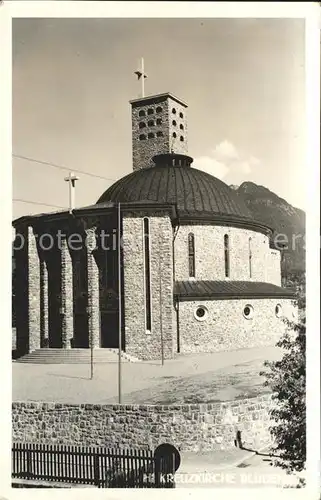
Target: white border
[[309, 11]]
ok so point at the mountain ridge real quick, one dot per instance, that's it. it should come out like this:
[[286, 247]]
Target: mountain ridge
[[287, 222]]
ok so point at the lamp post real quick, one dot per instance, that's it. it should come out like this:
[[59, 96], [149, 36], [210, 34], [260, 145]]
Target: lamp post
[[119, 309], [91, 342]]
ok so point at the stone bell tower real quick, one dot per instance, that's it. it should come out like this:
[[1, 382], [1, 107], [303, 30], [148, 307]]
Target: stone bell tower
[[159, 125]]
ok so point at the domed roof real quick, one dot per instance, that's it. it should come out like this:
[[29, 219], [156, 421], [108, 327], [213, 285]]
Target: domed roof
[[172, 180]]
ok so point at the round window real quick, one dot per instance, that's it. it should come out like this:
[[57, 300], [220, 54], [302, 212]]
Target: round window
[[248, 311], [201, 313], [278, 310]]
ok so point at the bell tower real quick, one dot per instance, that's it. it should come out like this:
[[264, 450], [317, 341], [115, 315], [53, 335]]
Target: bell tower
[[159, 125]]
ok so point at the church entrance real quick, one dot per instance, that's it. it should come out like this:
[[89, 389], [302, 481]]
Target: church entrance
[[109, 329], [80, 301], [108, 298]]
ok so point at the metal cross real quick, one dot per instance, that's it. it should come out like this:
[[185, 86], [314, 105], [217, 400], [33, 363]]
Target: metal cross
[[141, 76], [71, 179]]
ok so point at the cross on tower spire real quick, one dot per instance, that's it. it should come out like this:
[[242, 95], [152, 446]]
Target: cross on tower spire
[[141, 75]]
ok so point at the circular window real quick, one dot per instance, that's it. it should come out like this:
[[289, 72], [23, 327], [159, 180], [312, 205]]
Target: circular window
[[158, 121], [278, 310], [150, 111], [160, 134], [201, 313], [248, 311], [151, 123], [174, 123], [141, 113], [142, 137], [181, 115], [151, 136], [174, 111], [142, 125], [159, 109]]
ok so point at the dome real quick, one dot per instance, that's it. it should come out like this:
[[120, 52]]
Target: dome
[[196, 193]]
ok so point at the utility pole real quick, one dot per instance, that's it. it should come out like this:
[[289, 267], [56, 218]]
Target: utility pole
[[71, 179], [119, 309], [141, 76], [91, 345]]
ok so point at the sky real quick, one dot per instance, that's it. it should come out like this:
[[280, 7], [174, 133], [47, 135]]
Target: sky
[[243, 80]]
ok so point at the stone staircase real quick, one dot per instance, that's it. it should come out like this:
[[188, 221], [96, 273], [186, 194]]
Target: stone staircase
[[74, 356]]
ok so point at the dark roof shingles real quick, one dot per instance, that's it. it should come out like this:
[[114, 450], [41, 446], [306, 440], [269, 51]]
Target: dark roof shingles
[[188, 290]]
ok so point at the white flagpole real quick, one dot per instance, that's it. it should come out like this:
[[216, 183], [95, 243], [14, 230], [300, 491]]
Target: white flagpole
[[143, 79], [119, 310]]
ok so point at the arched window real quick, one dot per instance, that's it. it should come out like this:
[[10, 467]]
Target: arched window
[[142, 137], [151, 123], [148, 321], [174, 135], [142, 125], [150, 111], [181, 115], [159, 109], [181, 126], [250, 256], [174, 111], [151, 135], [181, 138], [174, 123], [227, 255], [142, 113], [191, 255], [160, 134], [158, 121]]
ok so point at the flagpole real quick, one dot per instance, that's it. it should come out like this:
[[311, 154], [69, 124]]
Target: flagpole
[[143, 78], [120, 311]]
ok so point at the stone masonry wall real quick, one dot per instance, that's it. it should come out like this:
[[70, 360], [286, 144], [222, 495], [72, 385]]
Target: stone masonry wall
[[273, 267], [209, 254], [44, 311], [33, 291], [139, 343], [66, 295], [226, 328], [194, 427], [93, 289]]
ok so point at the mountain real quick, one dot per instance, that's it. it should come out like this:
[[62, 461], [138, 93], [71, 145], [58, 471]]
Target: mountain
[[283, 218]]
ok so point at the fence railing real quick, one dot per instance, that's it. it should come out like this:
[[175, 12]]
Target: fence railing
[[101, 467]]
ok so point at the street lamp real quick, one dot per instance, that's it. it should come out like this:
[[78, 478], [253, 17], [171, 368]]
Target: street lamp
[[119, 308]]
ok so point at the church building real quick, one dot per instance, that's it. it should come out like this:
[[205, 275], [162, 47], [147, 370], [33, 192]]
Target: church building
[[169, 259]]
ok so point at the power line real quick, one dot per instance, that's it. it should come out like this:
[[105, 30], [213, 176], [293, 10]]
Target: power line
[[33, 160], [37, 203]]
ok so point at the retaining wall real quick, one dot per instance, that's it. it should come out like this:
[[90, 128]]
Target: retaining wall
[[193, 427]]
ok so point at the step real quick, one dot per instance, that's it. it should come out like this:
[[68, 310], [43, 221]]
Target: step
[[73, 356]]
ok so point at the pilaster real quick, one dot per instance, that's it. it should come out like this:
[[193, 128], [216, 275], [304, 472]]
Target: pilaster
[[66, 295], [93, 289], [44, 325], [33, 292]]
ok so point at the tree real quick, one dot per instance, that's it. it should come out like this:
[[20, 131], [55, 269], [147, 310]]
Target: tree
[[287, 380]]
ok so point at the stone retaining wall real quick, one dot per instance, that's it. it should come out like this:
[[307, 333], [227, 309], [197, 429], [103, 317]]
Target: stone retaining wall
[[194, 427]]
